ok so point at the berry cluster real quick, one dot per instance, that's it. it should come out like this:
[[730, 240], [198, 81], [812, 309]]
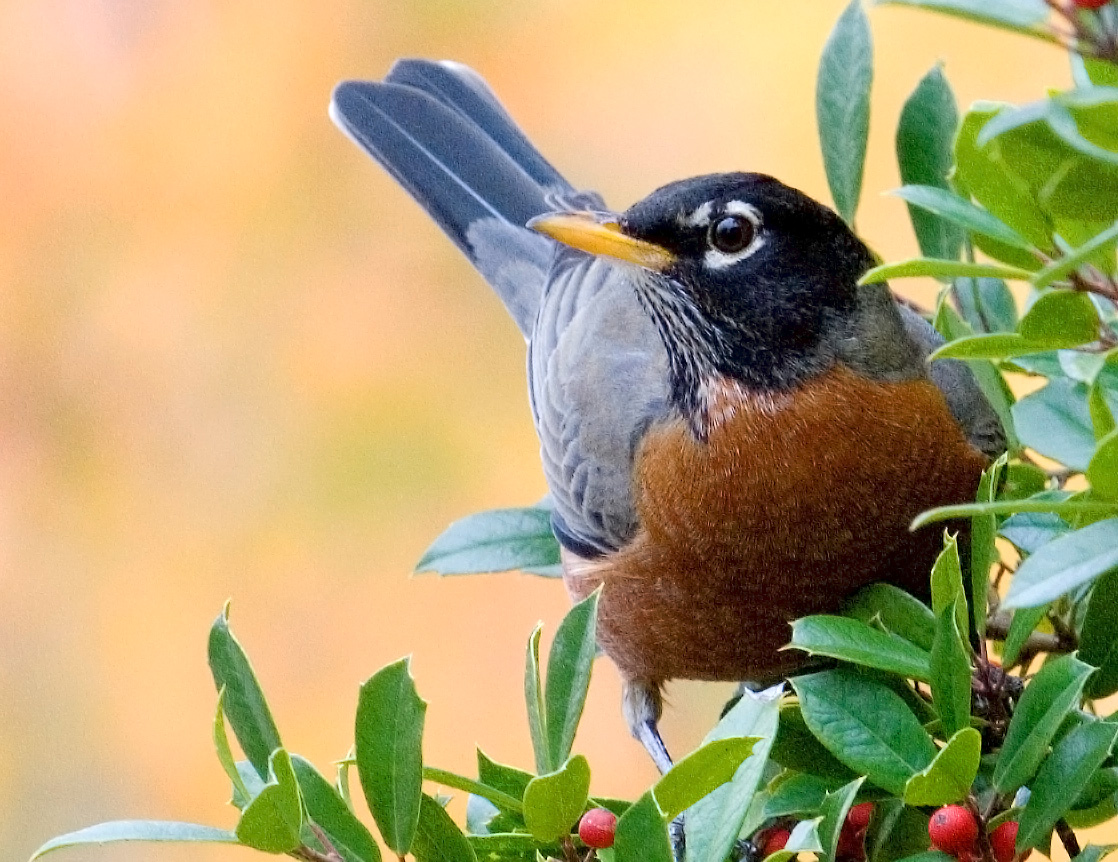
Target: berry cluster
[[851, 843], [954, 830], [1090, 4]]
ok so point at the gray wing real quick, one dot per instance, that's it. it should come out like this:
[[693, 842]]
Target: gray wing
[[597, 369], [598, 374], [964, 398]]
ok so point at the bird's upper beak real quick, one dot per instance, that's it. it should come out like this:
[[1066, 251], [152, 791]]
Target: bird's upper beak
[[600, 233]]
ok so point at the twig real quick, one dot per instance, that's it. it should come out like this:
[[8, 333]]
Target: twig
[[1067, 838], [309, 854], [329, 852], [997, 627]]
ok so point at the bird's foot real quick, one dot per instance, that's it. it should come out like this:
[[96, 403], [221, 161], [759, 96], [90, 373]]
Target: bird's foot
[[678, 838], [745, 850]]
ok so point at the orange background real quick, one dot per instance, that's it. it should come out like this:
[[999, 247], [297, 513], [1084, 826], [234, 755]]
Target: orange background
[[235, 360]]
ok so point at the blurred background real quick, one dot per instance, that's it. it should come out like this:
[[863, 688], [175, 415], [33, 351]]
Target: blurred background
[[236, 361]]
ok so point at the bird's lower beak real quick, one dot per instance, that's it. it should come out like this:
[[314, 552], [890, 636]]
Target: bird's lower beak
[[601, 234]]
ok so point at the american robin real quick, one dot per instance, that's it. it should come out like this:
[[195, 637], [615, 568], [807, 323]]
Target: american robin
[[734, 432]]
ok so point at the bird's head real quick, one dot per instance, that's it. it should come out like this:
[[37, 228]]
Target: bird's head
[[744, 277]]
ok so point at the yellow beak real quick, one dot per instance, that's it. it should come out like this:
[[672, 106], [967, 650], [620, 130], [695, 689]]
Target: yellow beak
[[600, 233]]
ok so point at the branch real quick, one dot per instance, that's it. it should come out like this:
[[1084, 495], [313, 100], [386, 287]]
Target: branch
[[997, 627]]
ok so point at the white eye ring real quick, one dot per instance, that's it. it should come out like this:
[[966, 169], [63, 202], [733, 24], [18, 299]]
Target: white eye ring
[[716, 259]]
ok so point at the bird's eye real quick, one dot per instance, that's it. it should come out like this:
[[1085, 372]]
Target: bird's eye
[[731, 234]]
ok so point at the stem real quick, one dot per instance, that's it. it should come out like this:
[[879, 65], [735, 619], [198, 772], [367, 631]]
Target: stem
[[329, 852], [1067, 838], [570, 853], [997, 627], [468, 785]]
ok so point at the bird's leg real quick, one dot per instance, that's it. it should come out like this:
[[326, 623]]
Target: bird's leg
[[643, 704]]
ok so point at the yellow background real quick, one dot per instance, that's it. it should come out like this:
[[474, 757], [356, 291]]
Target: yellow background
[[235, 360]]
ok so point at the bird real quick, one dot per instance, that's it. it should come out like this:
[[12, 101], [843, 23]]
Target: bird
[[734, 431]]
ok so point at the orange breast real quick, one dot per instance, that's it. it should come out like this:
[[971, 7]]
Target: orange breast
[[792, 503]]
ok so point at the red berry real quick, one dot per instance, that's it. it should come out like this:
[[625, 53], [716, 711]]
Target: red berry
[[953, 830], [1090, 4], [858, 818], [851, 844], [1003, 841], [596, 828], [776, 840]]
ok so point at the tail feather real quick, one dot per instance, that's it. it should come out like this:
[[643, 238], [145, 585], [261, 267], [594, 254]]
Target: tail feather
[[447, 163], [460, 88]]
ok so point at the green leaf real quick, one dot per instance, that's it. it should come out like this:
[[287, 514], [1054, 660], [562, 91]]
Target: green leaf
[[842, 106], [983, 553], [1022, 481], [504, 847], [924, 138], [713, 823], [853, 641], [642, 835], [804, 838], [947, 585], [796, 748], [1102, 471], [569, 664], [1099, 395], [897, 611], [989, 312], [1060, 318], [1063, 266], [896, 832], [243, 699], [1073, 559], [1074, 759], [507, 779], [1098, 640], [554, 802], [701, 772], [987, 304], [1029, 531], [932, 267], [866, 726], [499, 540], [1054, 691], [1091, 70], [437, 837], [273, 821], [501, 800], [1025, 621], [1017, 15], [327, 808], [1055, 422], [951, 671], [137, 830], [996, 345], [241, 796], [1095, 852], [1070, 508], [389, 751], [959, 211], [533, 697], [982, 171], [834, 811], [949, 777], [795, 793]]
